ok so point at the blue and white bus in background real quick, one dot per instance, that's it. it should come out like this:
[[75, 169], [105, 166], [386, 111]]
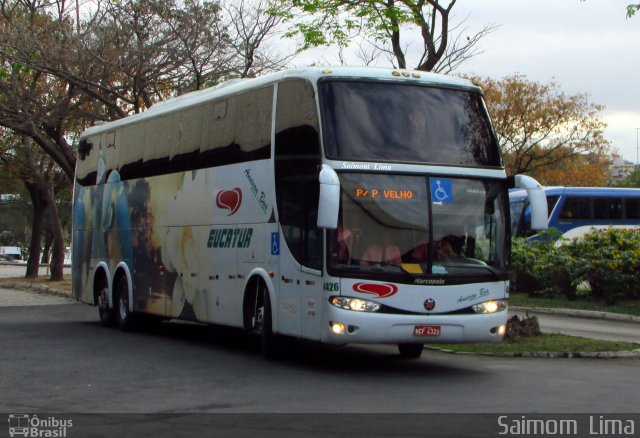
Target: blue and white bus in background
[[575, 211]]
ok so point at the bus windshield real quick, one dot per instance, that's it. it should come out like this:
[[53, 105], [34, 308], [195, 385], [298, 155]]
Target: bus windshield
[[418, 226], [430, 125]]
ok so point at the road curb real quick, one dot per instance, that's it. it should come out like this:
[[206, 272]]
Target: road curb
[[590, 314], [634, 354]]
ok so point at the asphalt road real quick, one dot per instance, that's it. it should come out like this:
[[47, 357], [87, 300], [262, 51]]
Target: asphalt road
[[57, 358]]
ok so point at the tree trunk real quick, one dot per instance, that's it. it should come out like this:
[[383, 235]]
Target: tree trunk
[[44, 197], [57, 256], [39, 207], [48, 241]]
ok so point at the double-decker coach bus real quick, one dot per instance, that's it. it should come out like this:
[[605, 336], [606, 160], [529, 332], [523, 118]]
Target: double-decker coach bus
[[343, 205]]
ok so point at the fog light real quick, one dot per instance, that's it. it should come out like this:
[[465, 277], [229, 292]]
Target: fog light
[[337, 328], [502, 330]]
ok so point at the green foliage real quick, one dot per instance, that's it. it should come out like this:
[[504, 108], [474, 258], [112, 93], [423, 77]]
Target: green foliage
[[608, 261], [632, 180], [540, 267]]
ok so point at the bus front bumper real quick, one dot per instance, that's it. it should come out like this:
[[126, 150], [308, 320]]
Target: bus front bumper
[[344, 326]]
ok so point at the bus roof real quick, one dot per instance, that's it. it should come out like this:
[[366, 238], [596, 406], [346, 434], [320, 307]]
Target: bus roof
[[580, 191], [235, 86]]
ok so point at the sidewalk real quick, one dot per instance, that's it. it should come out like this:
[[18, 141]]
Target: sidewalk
[[20, 296], [22, 292], [18, 269]]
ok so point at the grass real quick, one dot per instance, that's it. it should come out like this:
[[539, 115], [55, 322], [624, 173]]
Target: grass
[[550, 342], [583, 302]]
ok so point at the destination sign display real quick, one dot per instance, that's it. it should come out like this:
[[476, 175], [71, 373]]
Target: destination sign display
[[380, 193]]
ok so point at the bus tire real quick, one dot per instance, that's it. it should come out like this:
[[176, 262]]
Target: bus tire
[[410, 351], [269, 341], [106, 313], [124, 315]]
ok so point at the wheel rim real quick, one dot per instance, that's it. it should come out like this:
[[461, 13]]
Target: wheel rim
[[124, 308], [258, 310], [103, 302]]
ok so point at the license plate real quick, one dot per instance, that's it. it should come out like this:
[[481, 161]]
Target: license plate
[[426, 330]]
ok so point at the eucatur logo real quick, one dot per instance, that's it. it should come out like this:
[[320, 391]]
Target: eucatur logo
[[380, 290], [229, 200]]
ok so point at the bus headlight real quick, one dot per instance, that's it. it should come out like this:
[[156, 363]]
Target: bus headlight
[[355, 304], [490, 306]]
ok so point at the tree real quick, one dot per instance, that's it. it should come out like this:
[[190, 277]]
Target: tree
[[38, 109], [632, 180], [586, 170], [385, 23], [632, 9], [25, 162], [59, 74], [539, 126], [33, 102], [252, 24]]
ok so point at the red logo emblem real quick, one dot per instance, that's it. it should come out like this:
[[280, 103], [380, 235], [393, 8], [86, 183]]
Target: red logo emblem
[[380, 290], [229, 200]]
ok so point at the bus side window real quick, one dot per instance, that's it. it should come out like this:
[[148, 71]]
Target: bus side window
[[552, 200], [576, 209], [632, 208], [297, 163], [607, 208]]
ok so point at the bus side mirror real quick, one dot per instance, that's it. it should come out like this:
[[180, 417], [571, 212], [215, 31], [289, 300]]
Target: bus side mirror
[[537, 201], [329, 203]]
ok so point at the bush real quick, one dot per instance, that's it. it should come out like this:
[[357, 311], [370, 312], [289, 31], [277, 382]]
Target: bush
[[608, 260], [541, 267]]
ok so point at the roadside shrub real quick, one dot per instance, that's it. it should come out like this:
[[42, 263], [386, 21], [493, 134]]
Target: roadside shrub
[[609, 260], [541, 267]]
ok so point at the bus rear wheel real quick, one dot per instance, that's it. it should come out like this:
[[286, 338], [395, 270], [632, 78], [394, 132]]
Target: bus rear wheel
[[124, 315], [106, 313], [410, 351]]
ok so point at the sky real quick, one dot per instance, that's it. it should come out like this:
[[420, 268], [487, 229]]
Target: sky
[[585, 46]]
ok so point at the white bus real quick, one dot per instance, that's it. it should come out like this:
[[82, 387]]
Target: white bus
[[342, 205]]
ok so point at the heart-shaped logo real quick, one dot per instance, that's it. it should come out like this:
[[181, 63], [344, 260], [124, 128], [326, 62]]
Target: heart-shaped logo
[[229, 200], [380, 290]]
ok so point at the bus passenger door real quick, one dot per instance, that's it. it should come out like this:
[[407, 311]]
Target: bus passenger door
[[297, 161], [289, 297]]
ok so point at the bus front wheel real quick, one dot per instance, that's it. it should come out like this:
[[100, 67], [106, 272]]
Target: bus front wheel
[[410, 351], [124, 315], [269, 341]]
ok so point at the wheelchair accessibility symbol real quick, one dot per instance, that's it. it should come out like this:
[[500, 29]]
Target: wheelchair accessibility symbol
[[441, 191], [275, 244]]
